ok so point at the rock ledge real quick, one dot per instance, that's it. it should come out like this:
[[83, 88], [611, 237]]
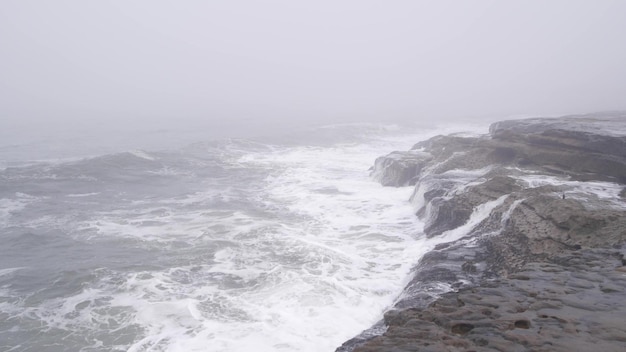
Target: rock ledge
[[531, 225]]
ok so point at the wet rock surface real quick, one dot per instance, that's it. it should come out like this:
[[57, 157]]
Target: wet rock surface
[[400, 168], [530, 222], [569, 303]]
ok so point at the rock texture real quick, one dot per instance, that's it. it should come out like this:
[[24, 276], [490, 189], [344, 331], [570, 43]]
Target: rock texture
[[530, 222], [573, 302], [400, 168]]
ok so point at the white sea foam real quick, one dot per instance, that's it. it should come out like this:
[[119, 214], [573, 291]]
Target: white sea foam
[[142, 154], [307, 283], [453, 181], [506, 216], [479, 214], [605, 193], [80, 195], [8, 271], [9, 206], [315, 255]]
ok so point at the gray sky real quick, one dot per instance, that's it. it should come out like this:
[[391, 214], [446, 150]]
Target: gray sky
[[316, 60]]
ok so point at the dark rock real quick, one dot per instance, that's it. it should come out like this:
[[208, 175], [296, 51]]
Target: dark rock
[[447, 214], [462, 328], [522, 324], [518, 315], [399, 168], [544, 269]]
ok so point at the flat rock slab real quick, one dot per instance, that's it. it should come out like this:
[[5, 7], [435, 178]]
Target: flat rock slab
[[547, 306]]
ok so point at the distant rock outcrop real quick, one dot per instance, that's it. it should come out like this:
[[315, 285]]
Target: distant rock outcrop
[[532, 223]]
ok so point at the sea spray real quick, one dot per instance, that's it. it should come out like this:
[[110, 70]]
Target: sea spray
[[230, 245]]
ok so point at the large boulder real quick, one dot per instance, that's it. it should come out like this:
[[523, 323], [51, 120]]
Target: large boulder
[[399, 169]]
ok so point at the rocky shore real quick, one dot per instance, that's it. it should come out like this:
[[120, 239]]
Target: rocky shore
[[531, 225]]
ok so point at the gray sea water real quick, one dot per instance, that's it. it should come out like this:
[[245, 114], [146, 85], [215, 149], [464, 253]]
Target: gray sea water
[[265, 244]]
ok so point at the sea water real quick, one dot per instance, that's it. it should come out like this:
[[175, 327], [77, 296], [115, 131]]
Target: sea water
[[264, 244]]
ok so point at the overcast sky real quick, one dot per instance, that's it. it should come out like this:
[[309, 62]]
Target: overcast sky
[[308, 61]]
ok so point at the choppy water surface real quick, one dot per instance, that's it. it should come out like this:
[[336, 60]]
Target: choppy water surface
[[232, 245]]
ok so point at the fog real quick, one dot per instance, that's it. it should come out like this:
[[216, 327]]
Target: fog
[[262, 63]]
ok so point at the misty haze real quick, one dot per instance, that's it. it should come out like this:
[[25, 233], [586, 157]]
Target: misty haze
[[292, 176]]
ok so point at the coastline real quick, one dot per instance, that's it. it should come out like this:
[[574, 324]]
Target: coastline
[[532, 221]]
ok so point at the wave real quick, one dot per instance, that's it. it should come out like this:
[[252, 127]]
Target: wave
[[224, 245]]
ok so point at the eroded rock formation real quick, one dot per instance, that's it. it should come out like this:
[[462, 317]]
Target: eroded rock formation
[[531, 221]]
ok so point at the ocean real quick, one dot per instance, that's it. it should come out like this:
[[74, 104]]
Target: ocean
[[280, 243]]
